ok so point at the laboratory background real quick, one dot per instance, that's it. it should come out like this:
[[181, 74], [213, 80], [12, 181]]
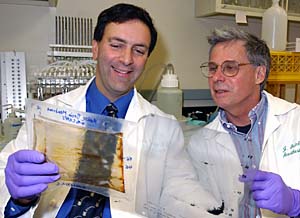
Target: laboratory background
[[45, 50]]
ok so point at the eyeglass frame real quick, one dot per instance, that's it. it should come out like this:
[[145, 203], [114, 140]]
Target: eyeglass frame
[[206, 64]]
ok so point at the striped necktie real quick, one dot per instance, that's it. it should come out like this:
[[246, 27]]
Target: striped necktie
[[111, 110]]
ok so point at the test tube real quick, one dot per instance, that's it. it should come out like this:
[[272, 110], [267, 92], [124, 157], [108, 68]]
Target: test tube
[[40, 91]]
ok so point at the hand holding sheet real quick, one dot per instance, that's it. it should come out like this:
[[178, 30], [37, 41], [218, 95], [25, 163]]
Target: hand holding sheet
[[27, 174], [270, 192]]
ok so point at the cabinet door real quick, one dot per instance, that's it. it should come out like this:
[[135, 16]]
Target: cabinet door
[[293, 10], [252, 8]]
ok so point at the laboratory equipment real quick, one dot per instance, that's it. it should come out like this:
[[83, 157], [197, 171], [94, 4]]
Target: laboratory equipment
[[13, 81], [169, 95], [274, 27], [73, 39], [285, 70], [11, 124], [60, 77], [70, 59]]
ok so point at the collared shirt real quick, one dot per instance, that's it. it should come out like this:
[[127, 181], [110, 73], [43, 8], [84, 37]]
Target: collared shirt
[[95, 103], [249, 147]]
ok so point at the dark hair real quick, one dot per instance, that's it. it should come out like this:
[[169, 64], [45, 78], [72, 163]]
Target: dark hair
[[258, 52], [120, 13]]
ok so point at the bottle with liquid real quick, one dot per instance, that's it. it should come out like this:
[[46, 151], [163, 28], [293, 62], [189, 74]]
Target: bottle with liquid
[[169, 95], [274, 27]]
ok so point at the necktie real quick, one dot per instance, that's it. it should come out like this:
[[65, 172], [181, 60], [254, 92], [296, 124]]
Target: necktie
[[89, 204], [111, 110]]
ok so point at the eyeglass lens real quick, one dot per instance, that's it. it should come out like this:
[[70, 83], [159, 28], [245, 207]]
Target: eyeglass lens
[[228, 68]]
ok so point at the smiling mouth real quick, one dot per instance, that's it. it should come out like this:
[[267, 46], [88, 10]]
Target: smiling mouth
[[220, 91], [121, 70]]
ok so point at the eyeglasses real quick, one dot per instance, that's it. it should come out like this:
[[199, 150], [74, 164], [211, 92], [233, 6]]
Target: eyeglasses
[[228, 68]]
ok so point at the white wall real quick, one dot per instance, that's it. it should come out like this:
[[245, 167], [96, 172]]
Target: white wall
[[182, 36]]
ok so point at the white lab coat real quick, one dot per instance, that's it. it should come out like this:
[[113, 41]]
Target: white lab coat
[[164, 173], [218, 166]]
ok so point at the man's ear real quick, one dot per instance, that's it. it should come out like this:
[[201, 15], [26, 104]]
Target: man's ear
[[95, 49], [260, 74]]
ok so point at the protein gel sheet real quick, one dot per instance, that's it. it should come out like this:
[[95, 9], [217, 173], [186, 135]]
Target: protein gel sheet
[[83, 156]]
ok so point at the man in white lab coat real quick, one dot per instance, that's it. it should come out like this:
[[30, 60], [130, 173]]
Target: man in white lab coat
[[124, 38], [249, 155]]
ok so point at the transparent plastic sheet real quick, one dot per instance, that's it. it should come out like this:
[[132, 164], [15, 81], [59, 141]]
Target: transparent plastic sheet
[[167, 184], [215, 157], [91, 151]]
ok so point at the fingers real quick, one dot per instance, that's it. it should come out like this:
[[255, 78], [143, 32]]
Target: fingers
[[259, 185], [19, 192], [258, 180], [262, 203], [29, 156], [22, 180], [269, 191], [35, 169], [30, 162], [260, 195], [260, 175], [248, 176]]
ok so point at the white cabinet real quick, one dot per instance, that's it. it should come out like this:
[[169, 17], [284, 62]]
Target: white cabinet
[[45, 3], [253, 8]]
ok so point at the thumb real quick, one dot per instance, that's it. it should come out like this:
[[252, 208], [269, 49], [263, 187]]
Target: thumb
[[248, 176]]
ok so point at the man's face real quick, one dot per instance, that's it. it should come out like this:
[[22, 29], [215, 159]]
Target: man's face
[[240, 93], [121, 56]]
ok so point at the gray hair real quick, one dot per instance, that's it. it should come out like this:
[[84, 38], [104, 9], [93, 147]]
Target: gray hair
[[258, 52]]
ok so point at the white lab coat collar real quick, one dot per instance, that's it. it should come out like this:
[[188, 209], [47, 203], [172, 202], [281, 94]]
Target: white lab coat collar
[[138, 108], [276, 108], [281, 106]]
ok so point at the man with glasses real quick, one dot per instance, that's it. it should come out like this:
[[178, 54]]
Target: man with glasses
[[249, 155]]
